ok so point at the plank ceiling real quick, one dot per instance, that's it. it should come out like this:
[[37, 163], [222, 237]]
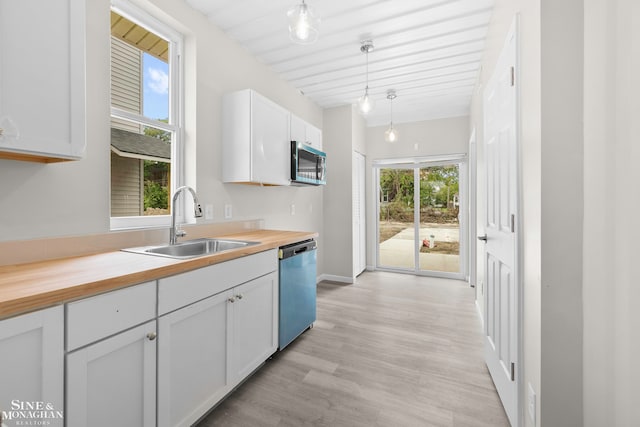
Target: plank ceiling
[[429, 51], [139, 37]]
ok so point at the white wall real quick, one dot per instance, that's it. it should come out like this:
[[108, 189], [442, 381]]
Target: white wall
[[432, 137], [72, 198], [338, 143], [562, 157], [611, 204]]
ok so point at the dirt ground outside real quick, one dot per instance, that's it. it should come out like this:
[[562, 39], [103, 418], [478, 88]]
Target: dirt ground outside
[[389, 229]]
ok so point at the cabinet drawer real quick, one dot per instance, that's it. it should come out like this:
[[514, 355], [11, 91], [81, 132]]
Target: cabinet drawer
[[184, 289], [94, 318]]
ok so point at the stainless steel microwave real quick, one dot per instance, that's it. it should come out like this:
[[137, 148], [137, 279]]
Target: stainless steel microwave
[[308, 165]]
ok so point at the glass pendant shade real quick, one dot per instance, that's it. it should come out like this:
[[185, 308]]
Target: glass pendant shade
[[303, 25], [365, 103], [391, 134]]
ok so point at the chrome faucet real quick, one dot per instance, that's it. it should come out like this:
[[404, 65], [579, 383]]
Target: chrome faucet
[[175, 233]]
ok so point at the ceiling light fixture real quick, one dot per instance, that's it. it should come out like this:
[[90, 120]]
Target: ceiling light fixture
[[391, 134], [365, 103], [303, 25]]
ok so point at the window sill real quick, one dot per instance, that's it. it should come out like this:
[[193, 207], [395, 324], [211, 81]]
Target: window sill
[[137, 222]]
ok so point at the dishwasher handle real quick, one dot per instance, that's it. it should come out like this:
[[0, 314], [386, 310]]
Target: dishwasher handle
[[298, 248]]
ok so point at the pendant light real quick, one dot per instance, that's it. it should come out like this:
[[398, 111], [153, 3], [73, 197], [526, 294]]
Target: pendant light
[[303, 25], [365, 103], [391, 134]]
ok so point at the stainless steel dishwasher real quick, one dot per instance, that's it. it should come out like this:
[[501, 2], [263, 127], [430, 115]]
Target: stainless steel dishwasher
[[297, 290]]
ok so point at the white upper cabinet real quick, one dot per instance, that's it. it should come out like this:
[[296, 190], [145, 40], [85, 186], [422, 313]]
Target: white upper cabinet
[[42, 80], [314, 137], [302, 131], [255, 140], [298, 129]]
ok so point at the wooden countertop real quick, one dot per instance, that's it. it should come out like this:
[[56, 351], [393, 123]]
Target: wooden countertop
[[28, 287]]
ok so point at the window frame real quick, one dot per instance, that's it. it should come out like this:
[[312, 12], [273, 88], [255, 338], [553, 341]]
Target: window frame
[[175, 123]]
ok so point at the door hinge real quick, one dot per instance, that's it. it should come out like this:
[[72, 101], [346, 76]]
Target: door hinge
[[513, 223], [513, 76], [513, 371]]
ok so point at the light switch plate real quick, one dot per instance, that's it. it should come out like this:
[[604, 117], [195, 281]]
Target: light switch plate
[[228, 212], [293, 209], [208, 211]]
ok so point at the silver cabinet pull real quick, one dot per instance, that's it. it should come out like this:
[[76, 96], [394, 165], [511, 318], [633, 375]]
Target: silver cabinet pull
[[239, 296], [232, 299], [152, 336], [483, 238]]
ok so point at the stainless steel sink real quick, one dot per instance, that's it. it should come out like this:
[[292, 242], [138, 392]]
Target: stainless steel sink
[[192, 248]]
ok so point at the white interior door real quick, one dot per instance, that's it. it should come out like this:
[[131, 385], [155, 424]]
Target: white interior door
[[501, 320]]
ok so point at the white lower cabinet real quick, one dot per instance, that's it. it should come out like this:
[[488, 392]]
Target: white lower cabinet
[[207, 348], [253, 325], [192, 360], [111, 359], [113, 382], [156, 354], [32, 364]]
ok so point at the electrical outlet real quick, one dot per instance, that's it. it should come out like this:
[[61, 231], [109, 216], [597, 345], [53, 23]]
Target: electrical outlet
[[293, 209], [228, 212], [208, 211], [532, 404]]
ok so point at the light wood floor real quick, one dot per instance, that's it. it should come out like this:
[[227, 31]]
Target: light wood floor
[[390, 350]]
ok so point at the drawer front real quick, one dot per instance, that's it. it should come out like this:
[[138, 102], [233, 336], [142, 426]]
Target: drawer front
[[186, 288], [94, 318]]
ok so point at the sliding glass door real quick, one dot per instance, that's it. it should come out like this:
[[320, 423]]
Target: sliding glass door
[[422, 216], [396, 219], [439, 218]]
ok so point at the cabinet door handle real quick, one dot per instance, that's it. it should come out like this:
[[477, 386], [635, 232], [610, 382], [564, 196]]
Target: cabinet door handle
[[239, 296], [232, 299], [152, 336]]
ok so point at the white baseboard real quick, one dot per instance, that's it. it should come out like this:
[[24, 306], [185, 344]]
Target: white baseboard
[[332, 278], [371, 268]]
